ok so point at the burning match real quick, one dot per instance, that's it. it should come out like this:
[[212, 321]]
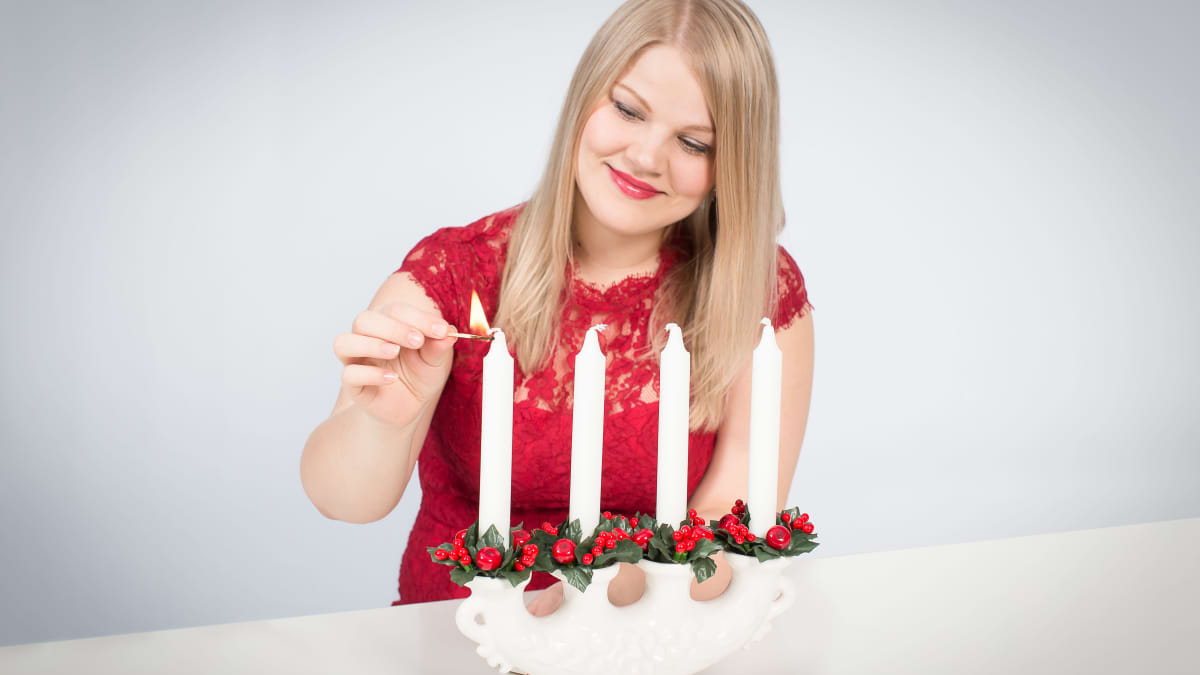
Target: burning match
[[469, 336]]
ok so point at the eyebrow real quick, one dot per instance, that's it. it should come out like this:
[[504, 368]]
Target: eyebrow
[[696, 127]]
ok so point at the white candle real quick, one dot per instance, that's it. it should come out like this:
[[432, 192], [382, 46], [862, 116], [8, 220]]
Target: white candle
[[495, 451], [587, 433], [674, 381], [766, 383]]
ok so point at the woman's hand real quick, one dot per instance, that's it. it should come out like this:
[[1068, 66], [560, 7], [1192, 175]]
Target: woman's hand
[[396, 360]]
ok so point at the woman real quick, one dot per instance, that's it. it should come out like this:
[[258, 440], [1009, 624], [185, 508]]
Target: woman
[[660, 203]]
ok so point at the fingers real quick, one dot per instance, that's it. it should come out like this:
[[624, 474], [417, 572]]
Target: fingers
[[350, 346], [381, 332], [436, 352], [359, 375]]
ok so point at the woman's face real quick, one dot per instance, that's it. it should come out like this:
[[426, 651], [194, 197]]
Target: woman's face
[[646, 154]]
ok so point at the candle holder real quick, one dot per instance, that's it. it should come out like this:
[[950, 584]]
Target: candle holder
[[664, 632]]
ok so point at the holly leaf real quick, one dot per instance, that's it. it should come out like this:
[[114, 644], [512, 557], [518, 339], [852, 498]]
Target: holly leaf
[[626, 551], [472, 534], [578, 576], [647, 521], [664, 549], [572, 530], [461, 575], [703, 569], [444, 547], [492, 538], [514, 577], [765, 553], [703, 549]]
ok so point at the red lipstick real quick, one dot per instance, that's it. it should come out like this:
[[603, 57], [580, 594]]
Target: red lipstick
[[632, 186]]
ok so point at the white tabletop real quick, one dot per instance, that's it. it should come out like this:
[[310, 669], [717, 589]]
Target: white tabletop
[[1109, 600]]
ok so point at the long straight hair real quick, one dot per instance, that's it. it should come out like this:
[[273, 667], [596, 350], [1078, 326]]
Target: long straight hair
[[727, 281]]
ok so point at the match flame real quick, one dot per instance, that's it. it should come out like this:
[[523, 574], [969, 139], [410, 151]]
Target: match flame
[[479, 322]]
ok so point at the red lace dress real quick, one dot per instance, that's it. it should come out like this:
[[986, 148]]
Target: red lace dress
[[449, 264]]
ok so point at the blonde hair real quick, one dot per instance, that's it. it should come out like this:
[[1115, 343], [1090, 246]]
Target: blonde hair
[[710, 293]]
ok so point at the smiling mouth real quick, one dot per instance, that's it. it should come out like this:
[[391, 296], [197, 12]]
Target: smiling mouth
[[626, 184]]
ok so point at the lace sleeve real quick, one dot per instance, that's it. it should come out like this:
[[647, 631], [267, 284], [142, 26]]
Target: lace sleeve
[[431, 263], [792, 293]]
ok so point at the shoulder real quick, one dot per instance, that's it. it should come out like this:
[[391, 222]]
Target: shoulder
[[451, 262], [791, 298], [447, 245]]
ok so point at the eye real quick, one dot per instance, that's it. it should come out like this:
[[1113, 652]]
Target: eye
[[625, 112], [693, 147]]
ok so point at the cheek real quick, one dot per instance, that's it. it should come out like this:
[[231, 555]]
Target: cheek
[[692, 178], [602, 136]]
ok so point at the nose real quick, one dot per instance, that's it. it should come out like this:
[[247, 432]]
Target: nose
[[644, 154]]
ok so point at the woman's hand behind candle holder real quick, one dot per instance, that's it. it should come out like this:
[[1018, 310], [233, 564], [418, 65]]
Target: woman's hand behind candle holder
[[396, 360]]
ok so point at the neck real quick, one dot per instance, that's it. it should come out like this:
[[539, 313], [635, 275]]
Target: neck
[[605, 256]]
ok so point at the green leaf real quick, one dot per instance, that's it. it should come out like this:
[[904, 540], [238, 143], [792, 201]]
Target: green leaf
[[492, 538], [703, 568], [461, 575], [578, 576], [572, 530], [765, 553], [704, 548], [514, 577], [626, 551], [472, 535], [666, 550], [646, 521]]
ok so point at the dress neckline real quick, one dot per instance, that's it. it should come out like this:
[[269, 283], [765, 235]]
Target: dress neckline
[[625, 291]]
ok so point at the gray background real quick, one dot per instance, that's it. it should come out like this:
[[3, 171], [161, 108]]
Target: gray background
[[995, 206]]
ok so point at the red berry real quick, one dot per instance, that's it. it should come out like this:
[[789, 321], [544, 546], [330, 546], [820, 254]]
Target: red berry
[[587, 558], [677, 536], [488, 558], [530, 549], [609, 544], [804, 517], [739, 502], [597, 550], [686, 530], [462, 534], [797, 524], [680, 548], [608, 515], [689, 545], [785, 517], [441, 554], [564, 551], [807, 528], [778, 537], [702, 532], [621, 535], [691, 513], [528, 561], [453, 555], [697, 521], [728, 521], [466, 560], [750, 536], [520, 538], [739, 539], [633, 522], [458, 541], [518, 566]]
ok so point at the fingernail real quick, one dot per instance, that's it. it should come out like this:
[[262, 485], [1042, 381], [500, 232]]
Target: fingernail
[[389, 377], [414, 339]]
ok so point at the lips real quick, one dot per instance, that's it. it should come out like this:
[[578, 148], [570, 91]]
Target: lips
[[632, 186]]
